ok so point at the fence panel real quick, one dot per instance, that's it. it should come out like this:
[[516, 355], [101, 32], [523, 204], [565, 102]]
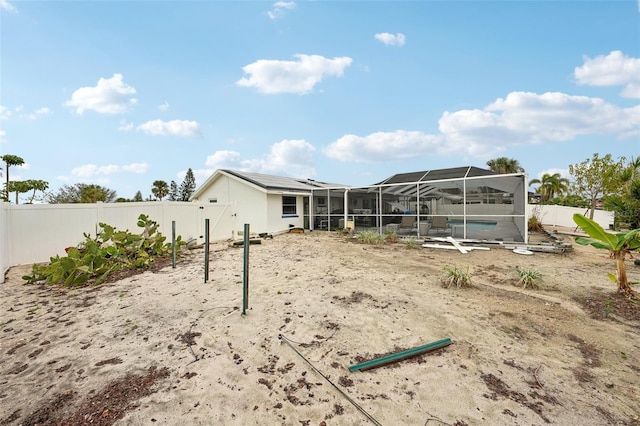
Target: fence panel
[[553, 215], [33, 233], [5, 262]]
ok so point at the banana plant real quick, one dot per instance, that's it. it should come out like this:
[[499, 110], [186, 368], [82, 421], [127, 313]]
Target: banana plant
[[620, 245]]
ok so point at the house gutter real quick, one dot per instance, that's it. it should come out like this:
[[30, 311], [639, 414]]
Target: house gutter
[[346, 208]]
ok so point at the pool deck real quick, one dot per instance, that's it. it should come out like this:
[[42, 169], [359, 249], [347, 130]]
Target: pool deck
[[503, 231]]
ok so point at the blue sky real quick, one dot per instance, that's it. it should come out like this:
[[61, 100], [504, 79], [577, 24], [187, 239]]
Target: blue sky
[[123, 93]]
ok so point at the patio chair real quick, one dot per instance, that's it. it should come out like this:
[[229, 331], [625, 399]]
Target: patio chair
[[407, 224], [439, 224]]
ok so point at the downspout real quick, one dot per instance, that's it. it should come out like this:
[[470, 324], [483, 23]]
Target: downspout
[[379, 195], [525, 203], [346, 209], [464, 208], [418, 208], [311, 210]]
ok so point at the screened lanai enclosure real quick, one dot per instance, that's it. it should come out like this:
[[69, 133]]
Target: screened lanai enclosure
[[462, 202]]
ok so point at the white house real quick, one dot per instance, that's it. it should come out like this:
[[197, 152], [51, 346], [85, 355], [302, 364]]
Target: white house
[[270, 204], [474, 203]]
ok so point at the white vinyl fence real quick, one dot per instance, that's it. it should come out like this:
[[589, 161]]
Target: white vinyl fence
[[563, 216], [33, 233]]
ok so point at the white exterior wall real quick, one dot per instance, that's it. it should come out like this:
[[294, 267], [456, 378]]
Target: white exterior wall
[[553, 215], [253, 205], [248, 204], [33, 233], [274, 213]]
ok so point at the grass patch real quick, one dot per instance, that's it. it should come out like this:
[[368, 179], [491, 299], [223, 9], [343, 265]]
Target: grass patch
[[528, 277], [455, 276], [370, 237]]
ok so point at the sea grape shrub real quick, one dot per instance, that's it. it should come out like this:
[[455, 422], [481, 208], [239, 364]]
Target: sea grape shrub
[[111, 250]]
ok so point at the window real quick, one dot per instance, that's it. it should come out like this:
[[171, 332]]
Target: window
[[322, 201], [289, 206]]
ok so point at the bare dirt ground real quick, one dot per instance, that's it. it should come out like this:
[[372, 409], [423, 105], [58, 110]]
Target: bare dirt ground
[[163, 347]]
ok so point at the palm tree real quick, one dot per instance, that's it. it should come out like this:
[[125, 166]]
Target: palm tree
[[505, 165], [10, 160], [160, 189], [550, 185], [620, 245]]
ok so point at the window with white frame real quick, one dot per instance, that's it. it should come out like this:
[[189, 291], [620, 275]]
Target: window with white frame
[[289, 206]]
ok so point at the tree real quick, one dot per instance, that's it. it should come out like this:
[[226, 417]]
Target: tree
[[81, 193], [34, 185], [37, 185], [173, 191], [160, 189], [505, 165], [10, 160], [571, 200], [188, 186], [619, 246], [18, 187], [626, 204], [138, 196], [550, 185], [596, 178]]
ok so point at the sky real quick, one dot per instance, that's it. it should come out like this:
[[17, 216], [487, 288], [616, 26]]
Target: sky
[[124, 93]]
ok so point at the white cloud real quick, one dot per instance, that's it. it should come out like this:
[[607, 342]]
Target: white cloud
[[5, 5], [39, 112], [383, 146], [279, 8], [298, 77], [389, 39], [3, 135], [530, 118], [138, 168], [109, 96], [519, 119], [564, 173], [163, 106], [125, 126], [91, 170], [615, 69], [287, 158], [172, 128], [225, 160], [5, 113]]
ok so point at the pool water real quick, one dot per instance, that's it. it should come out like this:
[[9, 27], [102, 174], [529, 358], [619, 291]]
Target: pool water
[[475, 226]]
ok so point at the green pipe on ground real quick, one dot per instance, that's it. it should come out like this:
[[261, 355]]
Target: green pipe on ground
[[399, 356]]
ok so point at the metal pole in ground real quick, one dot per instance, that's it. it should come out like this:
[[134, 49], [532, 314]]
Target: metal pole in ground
[[206, 250], [245, 272], [173, 244]]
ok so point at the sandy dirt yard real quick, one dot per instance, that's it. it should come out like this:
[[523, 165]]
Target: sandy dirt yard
[[166, 348]]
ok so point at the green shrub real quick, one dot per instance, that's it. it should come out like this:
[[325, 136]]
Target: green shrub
[[391, 237], [111, 250], [412, 243], [528, 277], [370, 237], [454, 276]]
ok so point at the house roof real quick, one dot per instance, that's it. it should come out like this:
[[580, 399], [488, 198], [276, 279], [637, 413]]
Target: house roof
[[282, 183], [270, 182], [439, 174], [266, 182]]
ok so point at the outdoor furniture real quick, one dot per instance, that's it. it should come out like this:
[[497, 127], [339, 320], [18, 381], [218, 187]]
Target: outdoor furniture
[[407, 224], [439, 224]]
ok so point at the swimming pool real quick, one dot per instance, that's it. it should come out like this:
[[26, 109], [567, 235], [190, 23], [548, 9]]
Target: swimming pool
[[475, 225]]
